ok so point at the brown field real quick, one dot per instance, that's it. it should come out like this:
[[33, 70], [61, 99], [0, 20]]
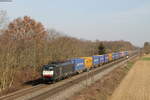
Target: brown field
[[136, 85]]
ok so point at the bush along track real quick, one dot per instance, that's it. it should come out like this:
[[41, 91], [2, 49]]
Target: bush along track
[[103, 89]]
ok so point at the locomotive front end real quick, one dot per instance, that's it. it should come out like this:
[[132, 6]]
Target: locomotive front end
[[47, 72]]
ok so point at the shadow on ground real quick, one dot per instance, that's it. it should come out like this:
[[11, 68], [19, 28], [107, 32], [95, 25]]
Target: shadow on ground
[[36, 82]]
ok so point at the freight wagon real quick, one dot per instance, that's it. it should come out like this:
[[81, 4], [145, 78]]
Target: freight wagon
[[78, 64], [115, 56], [106, 59], [121, 54], [96, 61], [126, 53], [102, 59], [110, 57], [88, 62]]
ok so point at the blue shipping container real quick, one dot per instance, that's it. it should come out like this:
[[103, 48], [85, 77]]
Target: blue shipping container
[[78, 64], [102, 59], [113, 56], [126, 53], [105, 58], [96, 60], [117, 55]]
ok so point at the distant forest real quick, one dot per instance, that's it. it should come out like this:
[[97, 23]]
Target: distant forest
[[25, 45]]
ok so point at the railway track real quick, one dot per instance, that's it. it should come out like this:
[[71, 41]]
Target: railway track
[[42, 92], [13, 96]]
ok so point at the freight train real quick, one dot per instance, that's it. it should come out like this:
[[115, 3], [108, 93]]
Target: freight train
[[60, 70]]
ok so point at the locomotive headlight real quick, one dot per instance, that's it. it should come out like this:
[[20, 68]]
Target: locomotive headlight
[[48, 74]]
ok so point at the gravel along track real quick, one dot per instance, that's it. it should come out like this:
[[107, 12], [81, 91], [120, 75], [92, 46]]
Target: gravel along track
[[14, 95], [65, 88], [136, 85]]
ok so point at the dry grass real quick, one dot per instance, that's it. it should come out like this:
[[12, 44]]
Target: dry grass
[[136, 85]]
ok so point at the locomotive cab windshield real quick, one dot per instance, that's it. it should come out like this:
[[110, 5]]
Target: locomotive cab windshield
[[48, 68]]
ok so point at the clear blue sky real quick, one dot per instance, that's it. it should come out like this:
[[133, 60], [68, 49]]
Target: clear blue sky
[[89, 19]]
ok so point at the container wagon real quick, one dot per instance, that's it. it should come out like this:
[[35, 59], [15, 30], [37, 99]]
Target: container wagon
[[121, 54], [126, 53], [78, 65], [117, 55], [106, 59], [110, 57], [88, 62], [101, 59], [113, 56], [96, 61]]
